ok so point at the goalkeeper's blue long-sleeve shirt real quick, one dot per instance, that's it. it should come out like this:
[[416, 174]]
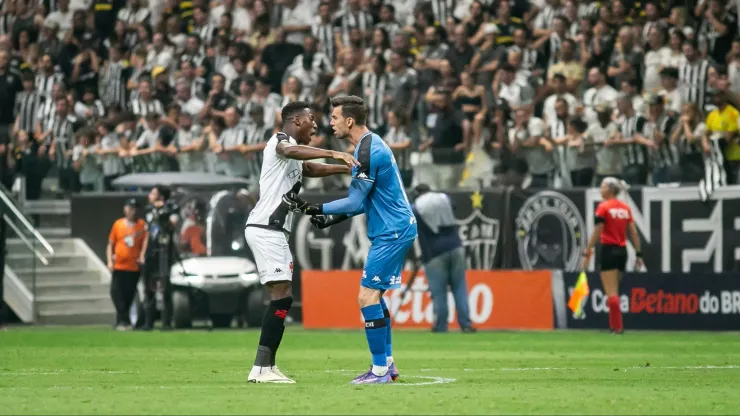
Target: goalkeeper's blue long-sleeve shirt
[[377, 190]]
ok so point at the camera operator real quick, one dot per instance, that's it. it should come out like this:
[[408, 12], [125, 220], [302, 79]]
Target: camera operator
[[161, 218]]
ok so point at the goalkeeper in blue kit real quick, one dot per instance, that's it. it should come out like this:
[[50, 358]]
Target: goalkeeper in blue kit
[[377, 191]]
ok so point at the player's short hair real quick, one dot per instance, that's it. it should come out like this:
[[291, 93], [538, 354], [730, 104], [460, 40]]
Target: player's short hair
[[292, 109], [352, 106]]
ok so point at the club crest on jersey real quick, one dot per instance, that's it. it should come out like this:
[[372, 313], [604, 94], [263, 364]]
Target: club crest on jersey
[[550, 232], [479, 234]]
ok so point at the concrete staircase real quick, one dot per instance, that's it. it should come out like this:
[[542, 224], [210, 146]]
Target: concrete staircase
[[74, 288]]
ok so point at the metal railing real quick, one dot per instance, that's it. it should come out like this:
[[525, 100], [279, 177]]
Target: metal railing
[[38, 246]]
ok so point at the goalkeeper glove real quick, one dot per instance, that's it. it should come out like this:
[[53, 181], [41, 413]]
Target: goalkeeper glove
[[326, 221]]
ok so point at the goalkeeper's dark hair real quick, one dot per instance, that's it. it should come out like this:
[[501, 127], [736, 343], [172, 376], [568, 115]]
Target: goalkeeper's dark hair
[[352, 107], [293, 109], [164, 191]]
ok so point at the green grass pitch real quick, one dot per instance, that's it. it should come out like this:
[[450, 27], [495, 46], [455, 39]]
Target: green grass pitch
[[98, 371]]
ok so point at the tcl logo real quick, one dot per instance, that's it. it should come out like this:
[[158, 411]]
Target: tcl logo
[[619, 213], [417, 308], [660, 302]]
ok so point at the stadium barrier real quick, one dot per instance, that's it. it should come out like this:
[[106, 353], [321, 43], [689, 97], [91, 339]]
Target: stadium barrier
[[671, 301], [497, 300]]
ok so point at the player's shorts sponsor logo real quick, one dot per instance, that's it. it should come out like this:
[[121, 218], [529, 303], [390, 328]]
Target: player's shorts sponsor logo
[[550, 232]]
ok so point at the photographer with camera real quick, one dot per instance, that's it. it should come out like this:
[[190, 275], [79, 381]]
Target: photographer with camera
[[161, 217]]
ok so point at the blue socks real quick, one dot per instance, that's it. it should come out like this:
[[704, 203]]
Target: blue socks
[[387, 315], [376, 333]]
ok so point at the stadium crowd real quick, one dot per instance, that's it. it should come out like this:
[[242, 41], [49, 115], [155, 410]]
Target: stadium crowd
[[547, 93]]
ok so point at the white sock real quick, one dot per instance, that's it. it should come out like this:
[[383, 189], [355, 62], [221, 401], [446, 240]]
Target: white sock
[[389, 361], [380, 370]]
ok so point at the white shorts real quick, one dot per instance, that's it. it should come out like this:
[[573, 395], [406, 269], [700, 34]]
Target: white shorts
[[271, 253]]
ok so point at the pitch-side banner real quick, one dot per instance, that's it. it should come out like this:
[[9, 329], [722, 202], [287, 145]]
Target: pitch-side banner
[[696, 301], [497, 300], [678, 232]]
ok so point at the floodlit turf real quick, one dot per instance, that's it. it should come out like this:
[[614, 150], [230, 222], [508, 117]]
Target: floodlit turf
[[95, 370]]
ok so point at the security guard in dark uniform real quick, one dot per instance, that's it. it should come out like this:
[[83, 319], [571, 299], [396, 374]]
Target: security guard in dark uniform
[[161, 218]]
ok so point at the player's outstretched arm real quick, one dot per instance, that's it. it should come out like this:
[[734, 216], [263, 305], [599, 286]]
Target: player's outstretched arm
[[350, 206], [319, 170], [301, 152], [353, 203]]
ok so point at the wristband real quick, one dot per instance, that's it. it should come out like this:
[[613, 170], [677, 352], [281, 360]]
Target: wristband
[[638, 254]]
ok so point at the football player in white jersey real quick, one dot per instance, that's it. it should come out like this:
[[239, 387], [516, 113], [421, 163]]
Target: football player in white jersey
[[283, 166]]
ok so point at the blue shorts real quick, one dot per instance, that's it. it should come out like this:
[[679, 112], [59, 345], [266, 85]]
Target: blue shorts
[[384, 264]]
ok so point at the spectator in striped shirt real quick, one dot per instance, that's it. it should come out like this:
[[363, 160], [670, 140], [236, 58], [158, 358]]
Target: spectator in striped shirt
[[145, 103], [632, 141], [27, 105], [665, 155]]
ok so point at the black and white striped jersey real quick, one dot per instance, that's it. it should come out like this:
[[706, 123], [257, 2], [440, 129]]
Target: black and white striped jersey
[[324, 34], [350, 20], [27, 106], [667, 153], [634, 153], [113, 84], [442, 10], [45, 83], [256, 134], [692, 78], [374, 89], [141, 108]]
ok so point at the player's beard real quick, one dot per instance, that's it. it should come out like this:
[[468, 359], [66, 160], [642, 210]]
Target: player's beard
[[341, 136]]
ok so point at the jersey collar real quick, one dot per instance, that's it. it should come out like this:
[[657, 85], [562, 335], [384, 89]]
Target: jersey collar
[[369, 133]]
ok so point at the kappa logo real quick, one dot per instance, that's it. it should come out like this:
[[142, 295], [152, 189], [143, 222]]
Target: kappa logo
[[278, 270], [550, 232], [376, 279], [362, 175], [479, 234]]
